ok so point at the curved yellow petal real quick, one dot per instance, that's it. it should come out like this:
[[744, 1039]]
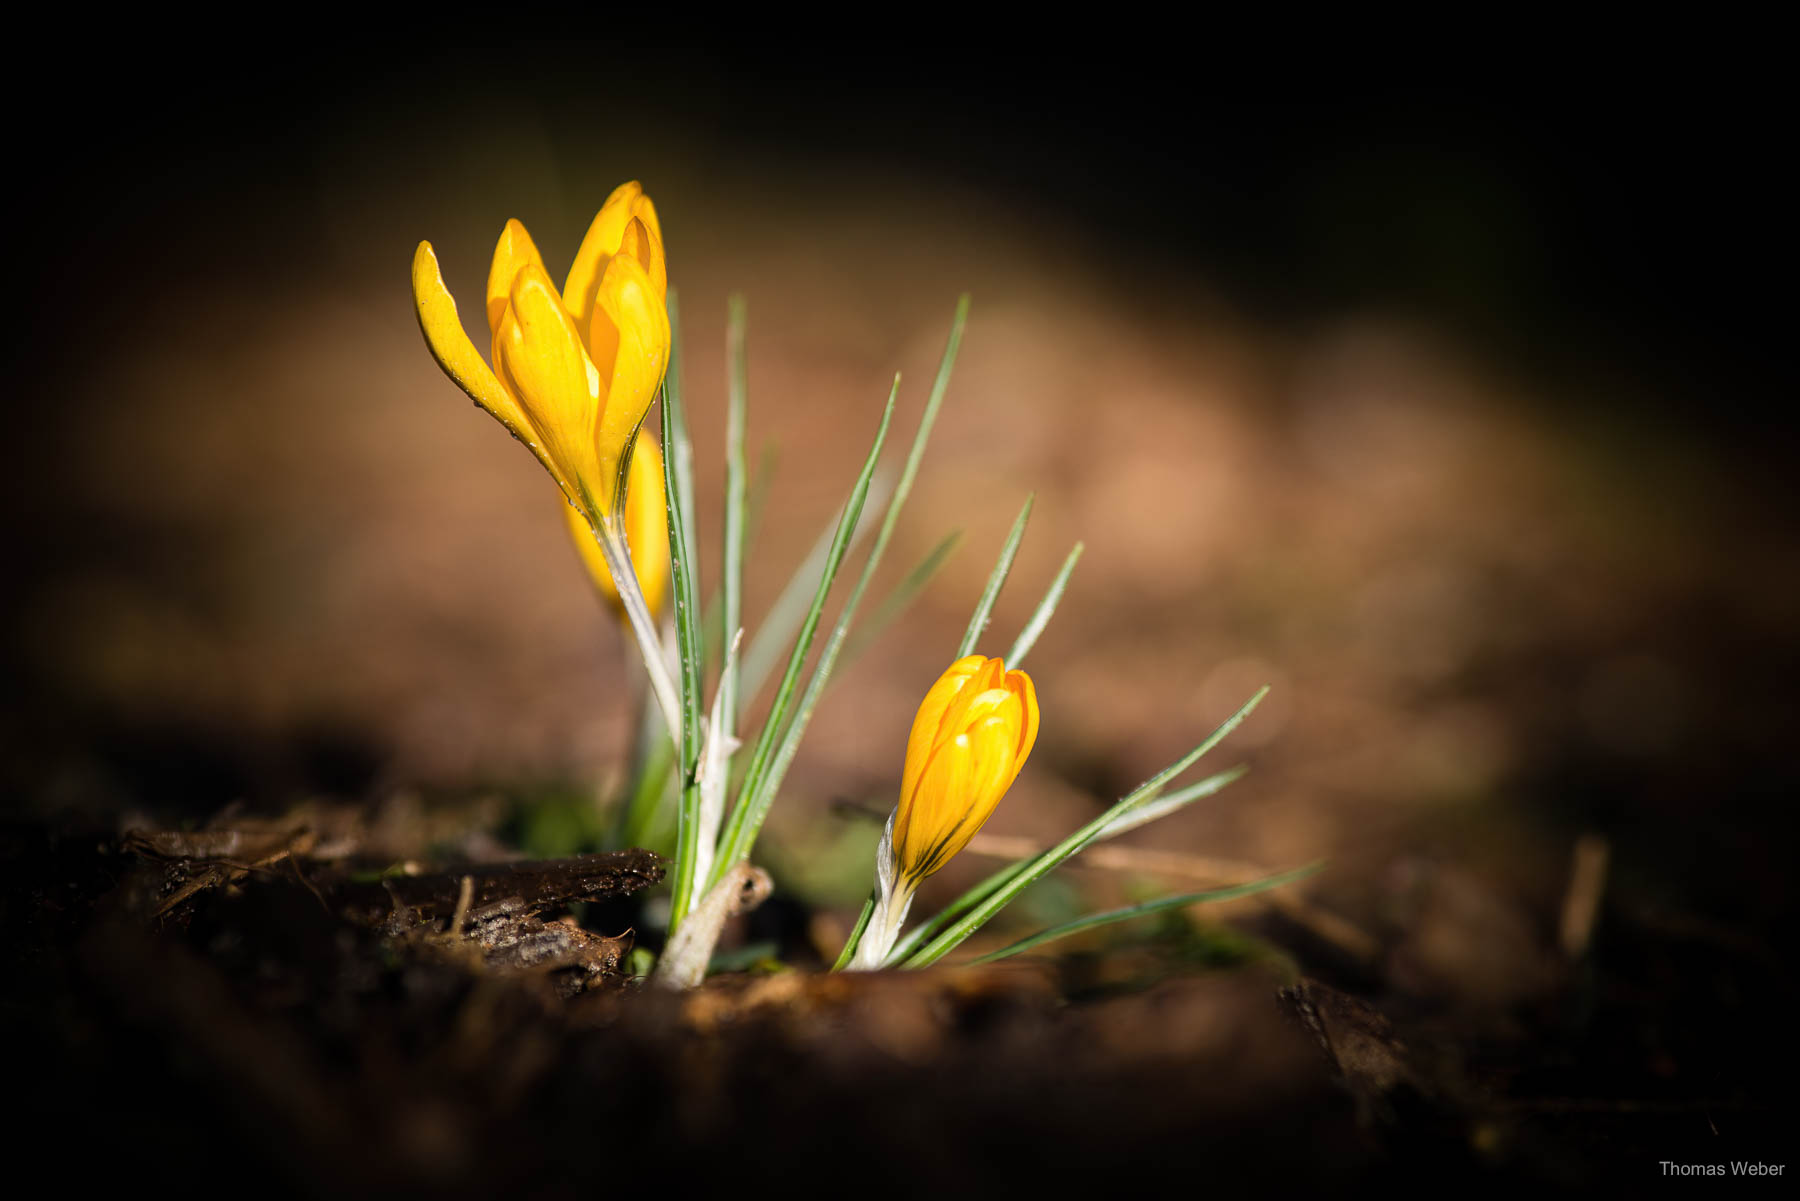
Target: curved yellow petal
[[926, 726], [641, 246], [958, 714], [601, 243], [991, 768], [1026, 691], [643, 210], [628, 303], [647, 523], [643, 242], [455, 353], [515, 250], [919, 841], [646, 530], [539, 358]]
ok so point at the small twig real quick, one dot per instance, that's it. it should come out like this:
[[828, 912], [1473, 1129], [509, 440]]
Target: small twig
[[294, 862], [464, 897]]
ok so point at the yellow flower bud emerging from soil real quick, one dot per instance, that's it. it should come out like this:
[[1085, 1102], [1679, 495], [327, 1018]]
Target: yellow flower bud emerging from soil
[[573, 371], [646, 529], [971, 736]]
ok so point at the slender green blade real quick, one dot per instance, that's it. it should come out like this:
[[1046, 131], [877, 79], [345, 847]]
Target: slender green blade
[[978, 916], [1041, 617], [678, 485], [1147, 811], [756, 494], [655, 760], [681, 477], [997, 580], [747, 814], [1151, 809], [775, 636], [733, 574], [904, 593], [1093, 920], [920, 934], [850, 944], [715, 770], [754, 802]]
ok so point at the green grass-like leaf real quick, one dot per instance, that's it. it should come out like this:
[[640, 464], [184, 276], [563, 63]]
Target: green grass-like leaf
[[981, 912], [756, 496], [753, 799], [856, 932], [1157, 806], [776, 633], [984, 609], [1093, 920], [1147, 810], [678, 485], [732, 600], [754, 802], [904, 593], [654, 760], [1041, 616]]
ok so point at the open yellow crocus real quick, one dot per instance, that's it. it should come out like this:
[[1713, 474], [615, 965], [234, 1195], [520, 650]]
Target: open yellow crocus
[[573, 371], [646, 528], [972, 734]]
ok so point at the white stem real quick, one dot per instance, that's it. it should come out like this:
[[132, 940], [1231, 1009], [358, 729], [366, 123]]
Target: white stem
[[715, 761], [883, 929], [684, 959], [617, 553]]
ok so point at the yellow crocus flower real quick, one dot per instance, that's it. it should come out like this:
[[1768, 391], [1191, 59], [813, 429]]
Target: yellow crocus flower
[[646, 528], [573, 371], [972, 734]]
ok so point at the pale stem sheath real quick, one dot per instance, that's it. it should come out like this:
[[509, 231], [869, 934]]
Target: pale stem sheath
[[883, 929], [715, 768]]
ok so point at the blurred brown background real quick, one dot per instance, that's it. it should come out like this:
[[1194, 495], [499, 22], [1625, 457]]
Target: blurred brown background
[[1454, 415]]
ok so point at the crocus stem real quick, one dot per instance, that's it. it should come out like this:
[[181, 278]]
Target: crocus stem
[[856, 931], [610, 535], [883, 929], [654, 760], [715, 767], [684, 960]]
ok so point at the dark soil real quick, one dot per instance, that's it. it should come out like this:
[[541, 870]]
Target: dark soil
[[266, 1021]]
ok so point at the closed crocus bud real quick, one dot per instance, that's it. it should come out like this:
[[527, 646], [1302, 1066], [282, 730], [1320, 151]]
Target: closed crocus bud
[[646, 529], [573, 371], [971, 736]]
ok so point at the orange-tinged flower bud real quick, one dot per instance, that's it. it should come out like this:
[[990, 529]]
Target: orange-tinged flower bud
[[646, 530], [972, 734], [573, 372], [971, 737]]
